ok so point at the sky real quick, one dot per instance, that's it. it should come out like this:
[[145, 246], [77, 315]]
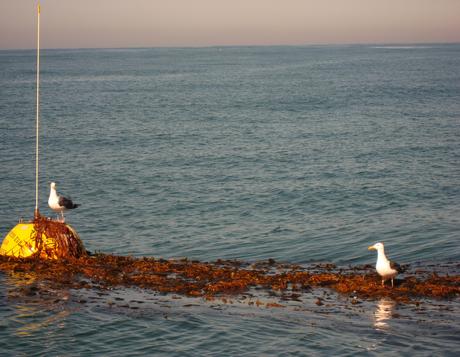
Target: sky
[[195, 23]]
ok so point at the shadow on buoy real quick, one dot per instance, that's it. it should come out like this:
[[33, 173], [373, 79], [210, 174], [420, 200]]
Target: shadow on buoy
[[42, 238]]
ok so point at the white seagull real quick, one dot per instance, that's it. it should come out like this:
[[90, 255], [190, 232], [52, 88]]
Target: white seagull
[[385, 268], [59, 203]]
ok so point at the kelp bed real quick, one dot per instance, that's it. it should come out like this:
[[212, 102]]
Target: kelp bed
[[224, 278]]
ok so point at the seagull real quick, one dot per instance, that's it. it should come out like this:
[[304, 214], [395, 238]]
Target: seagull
[[385, 268], [59, 203]]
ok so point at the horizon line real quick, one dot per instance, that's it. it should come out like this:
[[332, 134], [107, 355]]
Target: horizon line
[[242, 46]]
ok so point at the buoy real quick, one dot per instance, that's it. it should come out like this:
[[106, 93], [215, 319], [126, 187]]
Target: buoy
[[42, 238]]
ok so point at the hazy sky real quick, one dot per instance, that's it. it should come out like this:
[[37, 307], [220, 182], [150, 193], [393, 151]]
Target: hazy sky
[[150, 23]]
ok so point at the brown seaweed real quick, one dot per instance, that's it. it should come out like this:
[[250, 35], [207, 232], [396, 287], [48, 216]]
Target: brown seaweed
[[60, 242], [229, 278]]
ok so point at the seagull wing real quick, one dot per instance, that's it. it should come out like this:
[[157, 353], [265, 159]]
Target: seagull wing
[[397, 267], [66, 202]]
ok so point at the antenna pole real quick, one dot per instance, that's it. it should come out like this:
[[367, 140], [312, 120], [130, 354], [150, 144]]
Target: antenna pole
[[36, 214]]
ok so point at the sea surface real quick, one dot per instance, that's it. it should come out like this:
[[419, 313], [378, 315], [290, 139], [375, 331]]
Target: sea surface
[[298, 154]]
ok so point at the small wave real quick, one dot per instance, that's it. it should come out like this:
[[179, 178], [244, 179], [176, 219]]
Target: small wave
[[413, 47]]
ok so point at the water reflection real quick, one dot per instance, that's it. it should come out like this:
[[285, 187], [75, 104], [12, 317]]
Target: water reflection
[[383, 313], [36, 305], [32, 319]]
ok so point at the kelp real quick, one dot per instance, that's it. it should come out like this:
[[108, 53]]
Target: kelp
[[229, 278], [55, 239]]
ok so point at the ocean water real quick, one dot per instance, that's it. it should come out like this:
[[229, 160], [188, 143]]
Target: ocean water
[[300, 154]]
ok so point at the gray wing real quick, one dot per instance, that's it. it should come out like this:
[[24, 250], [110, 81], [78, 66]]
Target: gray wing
[[67, 203], [399, 268]]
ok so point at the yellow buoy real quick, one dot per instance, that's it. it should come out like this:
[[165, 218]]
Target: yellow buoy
[[43, 238]]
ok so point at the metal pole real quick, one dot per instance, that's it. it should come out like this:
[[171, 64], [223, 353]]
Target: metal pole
[[36, 214]]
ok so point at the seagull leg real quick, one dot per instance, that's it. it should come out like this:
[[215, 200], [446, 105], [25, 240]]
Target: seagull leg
[[391, 282], [62, 217], [383, 282]]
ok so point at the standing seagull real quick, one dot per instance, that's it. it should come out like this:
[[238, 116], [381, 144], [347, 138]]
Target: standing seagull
[[59, 203], [385, 268]]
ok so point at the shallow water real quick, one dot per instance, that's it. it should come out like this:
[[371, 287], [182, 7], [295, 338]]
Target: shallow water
[[300, 154]]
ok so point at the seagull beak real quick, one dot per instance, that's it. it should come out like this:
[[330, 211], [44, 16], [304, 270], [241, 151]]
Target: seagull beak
[[371, 248]]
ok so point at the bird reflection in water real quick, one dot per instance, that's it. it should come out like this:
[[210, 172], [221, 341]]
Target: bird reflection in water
[[383, 313]]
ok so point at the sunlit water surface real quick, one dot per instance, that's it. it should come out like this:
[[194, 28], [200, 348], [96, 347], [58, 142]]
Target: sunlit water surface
[[301, 154]]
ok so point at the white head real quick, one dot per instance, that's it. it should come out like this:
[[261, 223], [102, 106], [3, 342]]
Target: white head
[[53, 186], [377, 246]]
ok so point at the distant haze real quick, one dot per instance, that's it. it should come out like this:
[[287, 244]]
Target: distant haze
[[152, 23]]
